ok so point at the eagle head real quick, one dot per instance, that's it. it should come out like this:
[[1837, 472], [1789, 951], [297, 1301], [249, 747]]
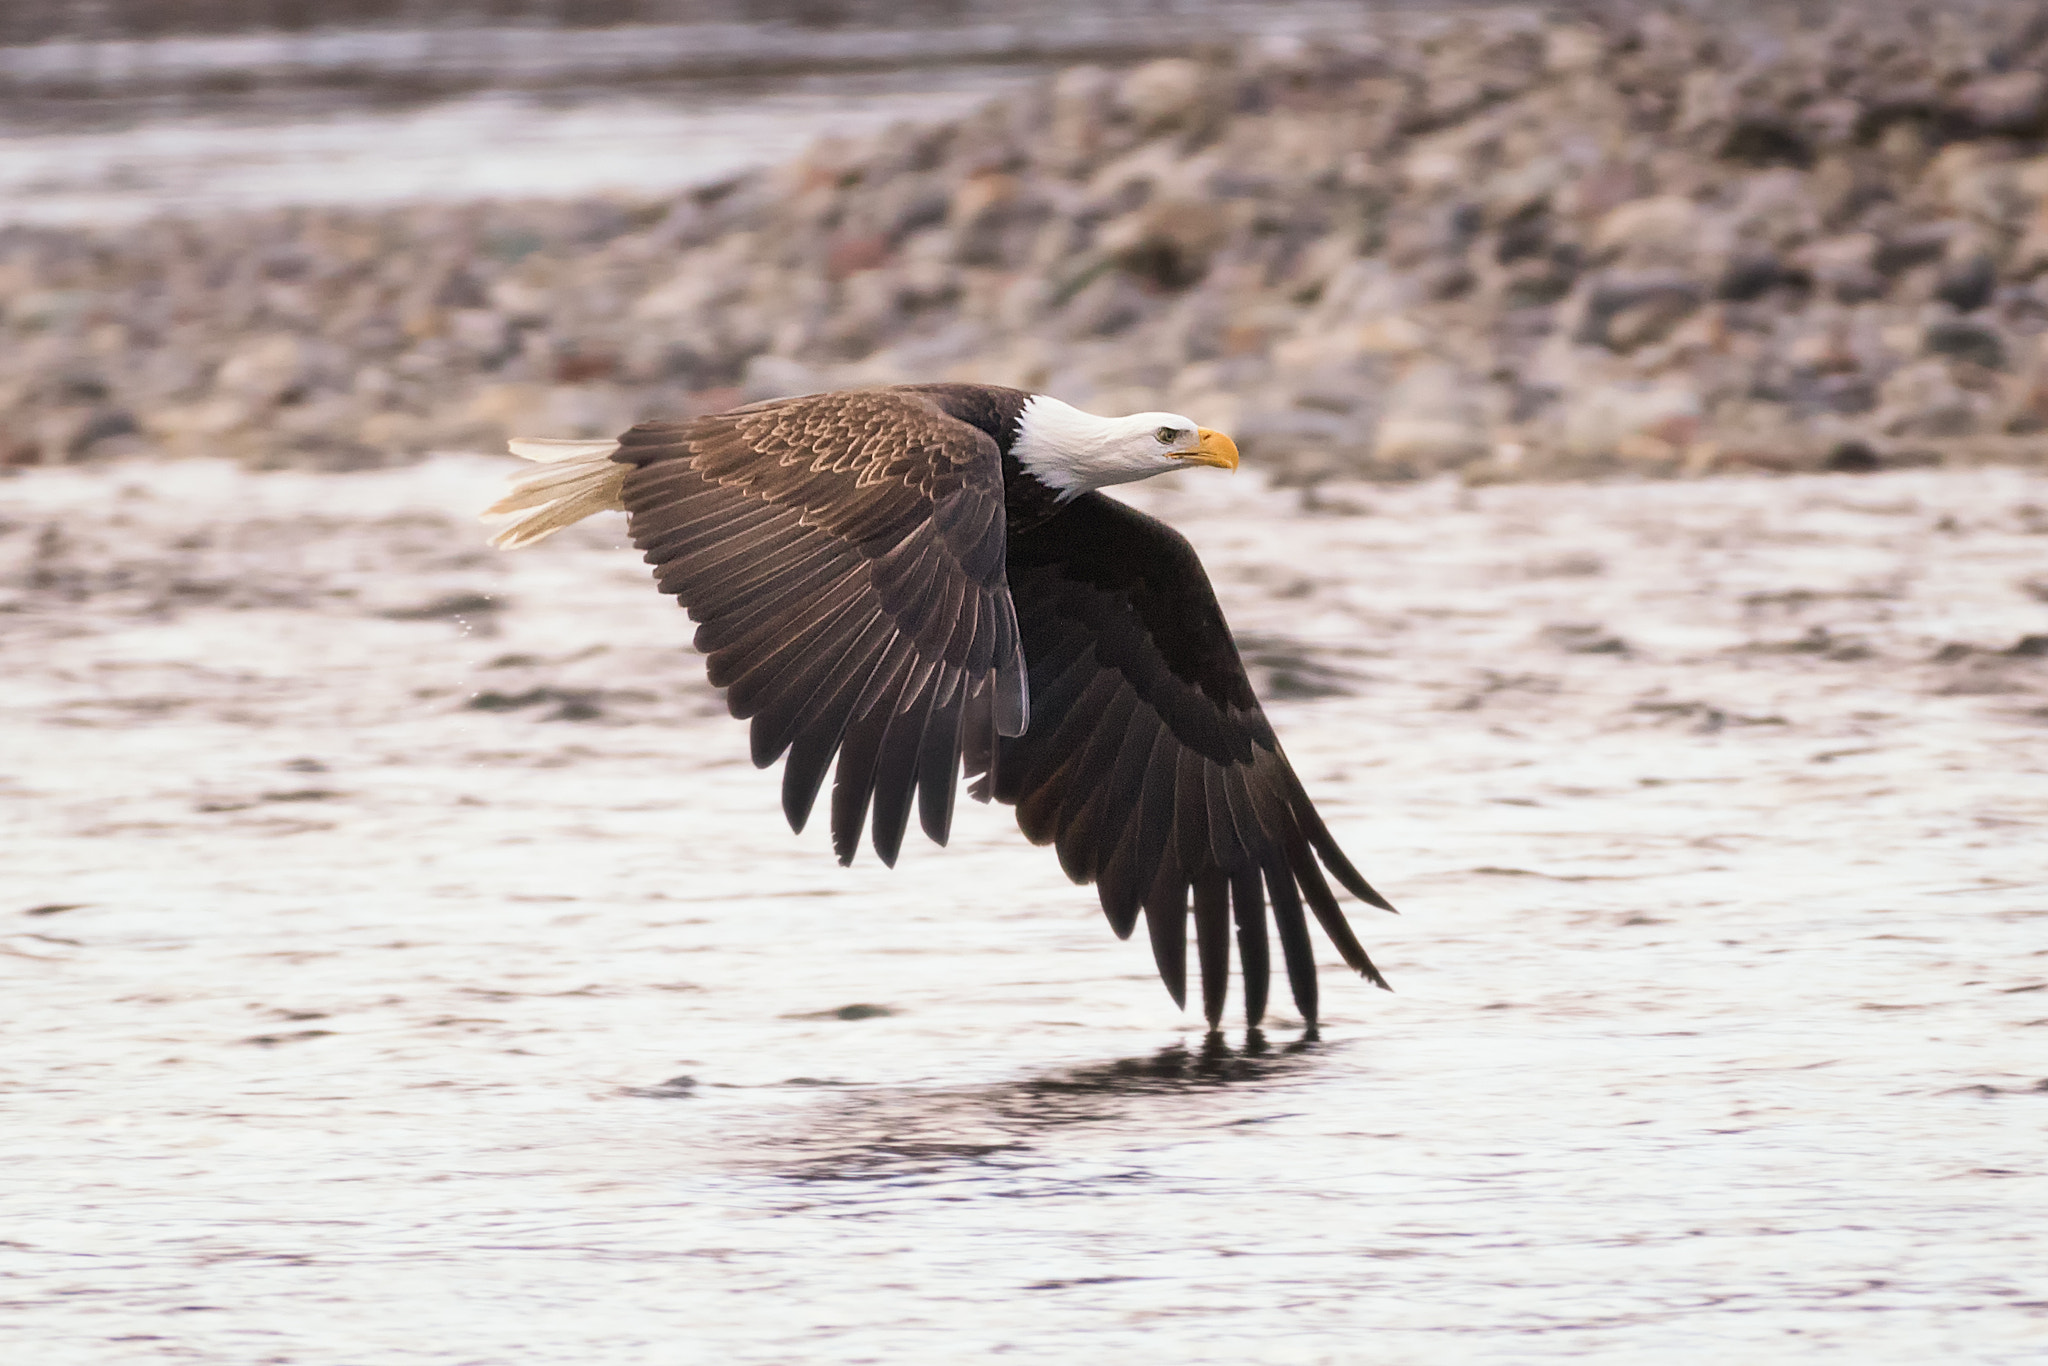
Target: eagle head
[[1072, 452]]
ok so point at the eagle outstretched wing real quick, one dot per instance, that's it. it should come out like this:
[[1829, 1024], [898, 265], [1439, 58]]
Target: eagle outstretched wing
[[843, 555], [1149, 764]]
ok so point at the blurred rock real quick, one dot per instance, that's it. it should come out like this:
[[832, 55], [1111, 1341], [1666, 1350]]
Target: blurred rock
[[1662, 230], [1924, 400], [778, 377], [1167, 94], [1625, 310], [1643, 423], [1845, 267], [1167, 244], [264, 370], [1968, 340], [1968, 285], [1433, 421], [2015, 102]]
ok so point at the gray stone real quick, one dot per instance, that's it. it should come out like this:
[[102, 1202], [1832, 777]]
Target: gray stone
[[1627, 309], [2015, 102]]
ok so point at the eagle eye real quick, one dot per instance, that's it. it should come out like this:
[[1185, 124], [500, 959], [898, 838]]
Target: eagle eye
[[1168, 435]]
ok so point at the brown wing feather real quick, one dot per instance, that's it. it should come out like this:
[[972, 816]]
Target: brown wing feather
[[843, 556], [1150, 765]]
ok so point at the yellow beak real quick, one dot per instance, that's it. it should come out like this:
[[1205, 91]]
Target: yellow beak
[[1215, 449]]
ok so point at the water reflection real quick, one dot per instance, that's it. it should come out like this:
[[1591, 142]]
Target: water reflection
[[917, 1134]]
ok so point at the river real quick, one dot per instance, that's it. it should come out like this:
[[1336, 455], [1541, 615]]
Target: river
[[403, 963], [114, 128]]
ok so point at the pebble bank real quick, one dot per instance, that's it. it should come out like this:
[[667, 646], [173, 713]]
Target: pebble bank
[[1509, 244]]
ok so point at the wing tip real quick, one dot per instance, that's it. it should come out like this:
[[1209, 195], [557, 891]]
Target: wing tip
[[1334, 859], [1366, 892]]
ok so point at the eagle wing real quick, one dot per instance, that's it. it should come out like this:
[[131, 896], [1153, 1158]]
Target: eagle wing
[[843, 556], [1150, 765]]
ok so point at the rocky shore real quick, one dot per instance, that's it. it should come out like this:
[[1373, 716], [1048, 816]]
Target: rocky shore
[[1512, 244]]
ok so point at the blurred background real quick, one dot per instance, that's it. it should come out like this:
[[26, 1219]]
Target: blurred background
[[402, 952], [1369, 238]]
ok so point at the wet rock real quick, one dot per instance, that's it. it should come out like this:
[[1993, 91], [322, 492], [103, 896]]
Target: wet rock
[[2013, 103], [1571, 49], [1968, 285], [1749, 275], [1628, 309], [980, 215], [1167, 244], [1171, 93], [1649, 423], [330, 452], [1303, 445], [1081, 100], [88, 434], [1853, 457], [1110, 304], [1334, 378], [1767, 139], [1967, 340], [1845, 267], [1662, 230], [263, 371], [1913, 246], [1924, 400], [1432, 421]]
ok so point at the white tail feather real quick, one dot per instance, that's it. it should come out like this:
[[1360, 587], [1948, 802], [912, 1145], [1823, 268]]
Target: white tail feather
[[580, 478], [549, 449]]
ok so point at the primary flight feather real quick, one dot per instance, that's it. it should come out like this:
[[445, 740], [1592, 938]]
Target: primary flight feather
[[905, 580]]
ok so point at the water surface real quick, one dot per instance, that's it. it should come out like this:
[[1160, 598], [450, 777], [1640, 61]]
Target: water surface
[[404, 963], [111, 128]]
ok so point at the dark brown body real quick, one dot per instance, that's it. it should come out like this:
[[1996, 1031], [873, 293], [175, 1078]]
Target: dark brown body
[[878, 581]]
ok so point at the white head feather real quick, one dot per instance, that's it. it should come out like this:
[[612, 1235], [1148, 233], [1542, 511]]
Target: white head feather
[[1074, 452]]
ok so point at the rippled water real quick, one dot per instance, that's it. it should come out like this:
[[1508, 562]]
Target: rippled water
[[206, 123], [403, 963], [505, 144]]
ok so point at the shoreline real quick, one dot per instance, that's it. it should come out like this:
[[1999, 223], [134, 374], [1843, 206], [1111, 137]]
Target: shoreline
[[1500, 246], [459, 56]]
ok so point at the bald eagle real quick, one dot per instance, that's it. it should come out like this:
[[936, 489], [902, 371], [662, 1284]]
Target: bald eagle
[[916, 576]]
